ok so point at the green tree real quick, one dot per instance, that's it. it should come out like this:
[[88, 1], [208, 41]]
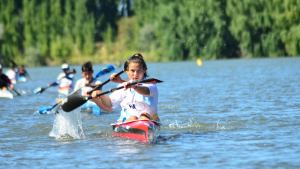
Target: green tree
[[10, 26]]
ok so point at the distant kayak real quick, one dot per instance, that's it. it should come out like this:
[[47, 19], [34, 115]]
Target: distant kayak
[[91, 107], [22, 79], [145, 131], [6, 94]]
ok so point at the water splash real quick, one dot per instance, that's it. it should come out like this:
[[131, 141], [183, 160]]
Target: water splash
[[195, 125], [67, 126]]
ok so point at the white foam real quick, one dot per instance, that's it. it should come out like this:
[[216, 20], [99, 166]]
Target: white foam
[[67, 125]]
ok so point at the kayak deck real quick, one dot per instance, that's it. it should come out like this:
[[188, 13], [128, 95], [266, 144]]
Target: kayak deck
[[145, 131], [6, 94]]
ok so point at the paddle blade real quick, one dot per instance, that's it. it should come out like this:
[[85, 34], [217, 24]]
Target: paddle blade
[[73, 101], [47, 109], [104, 71], [44, 110], [39, 90]]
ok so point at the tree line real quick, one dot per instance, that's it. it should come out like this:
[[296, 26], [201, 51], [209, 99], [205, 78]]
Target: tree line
[[49, 32]]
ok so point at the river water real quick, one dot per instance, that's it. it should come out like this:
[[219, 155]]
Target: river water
[[223, 114]]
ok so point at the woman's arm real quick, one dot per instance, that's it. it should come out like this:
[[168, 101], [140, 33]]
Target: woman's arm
[[143, 90], [103, 102]]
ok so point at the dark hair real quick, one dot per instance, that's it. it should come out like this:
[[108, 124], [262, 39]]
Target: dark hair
[[136, 58], [87, 67]]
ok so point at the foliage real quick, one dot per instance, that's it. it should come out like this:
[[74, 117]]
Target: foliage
[[50, 32]]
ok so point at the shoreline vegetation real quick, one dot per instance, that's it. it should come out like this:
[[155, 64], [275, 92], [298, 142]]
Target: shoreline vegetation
[[47, 33]]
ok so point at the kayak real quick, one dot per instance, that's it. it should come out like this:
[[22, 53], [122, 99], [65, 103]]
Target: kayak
[[6, 94], [145, 131], [90, 107], [22, 79]]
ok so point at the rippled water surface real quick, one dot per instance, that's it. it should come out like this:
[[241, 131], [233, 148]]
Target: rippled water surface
[[224, 114]]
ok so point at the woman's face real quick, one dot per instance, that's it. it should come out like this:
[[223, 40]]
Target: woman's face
[[87, 75], [135, 71]]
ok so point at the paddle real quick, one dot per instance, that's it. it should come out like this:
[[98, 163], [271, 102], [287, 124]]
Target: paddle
[[99, 86], [42, 89], [74, 101], [108, 69], [104, 71], [16, 92], [45, 110]]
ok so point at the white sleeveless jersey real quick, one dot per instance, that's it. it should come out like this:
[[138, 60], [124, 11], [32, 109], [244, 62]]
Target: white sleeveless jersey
[[11, 74], [81, 84], [133, 103], [65, 84]]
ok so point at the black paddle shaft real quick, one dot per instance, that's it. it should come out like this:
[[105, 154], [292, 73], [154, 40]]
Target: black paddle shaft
[[130, 84], [75, 101], [97, 87]]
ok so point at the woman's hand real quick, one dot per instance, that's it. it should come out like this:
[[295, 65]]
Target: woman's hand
[[95, 93], [115, 78], [127, 85]]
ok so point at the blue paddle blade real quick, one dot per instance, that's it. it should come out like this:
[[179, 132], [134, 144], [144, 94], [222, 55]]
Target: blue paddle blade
[[48, 109], [45, 110], [104, 71]]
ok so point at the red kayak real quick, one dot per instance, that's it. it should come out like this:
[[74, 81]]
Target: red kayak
[[145, 131]]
